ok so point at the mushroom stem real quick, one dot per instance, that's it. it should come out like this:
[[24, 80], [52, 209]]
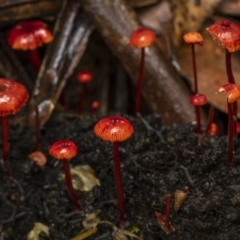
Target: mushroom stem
[[82, 97], [139, 82], [230, 135], [231, 80], [194, 70], [37, 126], [118, 182], [35, 59], [5, 144], [71, 191], [167, 210], [198, 119]]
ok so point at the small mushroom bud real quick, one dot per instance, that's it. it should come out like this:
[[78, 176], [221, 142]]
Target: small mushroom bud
[[179, 197]]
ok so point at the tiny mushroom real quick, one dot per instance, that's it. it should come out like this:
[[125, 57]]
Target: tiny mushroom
[[13, 96], [28, 36], [233, 94], [141, 38], [115, 129], [65, 150], [83, 77]]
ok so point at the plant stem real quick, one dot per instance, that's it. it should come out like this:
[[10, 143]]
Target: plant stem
[[35, 59], [37, 128], [230, 135], [139, 83], [118, 182], [71, 191], [167, 210], [82, 97], [194, 70], [5, 145], [231, 80], [198, 119]]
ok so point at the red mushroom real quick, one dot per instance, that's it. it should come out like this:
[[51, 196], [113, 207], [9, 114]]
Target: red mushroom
[[65, 150], [94, 107], [84, 77], [141, 38], [192, 38], [198, 100], [228, 35], [13, 96], [233, 94], [28, 36], [115, 129]]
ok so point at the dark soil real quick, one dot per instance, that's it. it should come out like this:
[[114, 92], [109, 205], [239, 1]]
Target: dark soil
[[155, 163]]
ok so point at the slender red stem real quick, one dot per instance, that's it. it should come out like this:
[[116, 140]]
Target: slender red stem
[[231, 80], [139, 83], [5, 145], [82, 97], [167, 210], [35, 59], [118, 182], [198, 119], [210, 119], [71, 191], [194, 70], [230, 135], [37, 128]]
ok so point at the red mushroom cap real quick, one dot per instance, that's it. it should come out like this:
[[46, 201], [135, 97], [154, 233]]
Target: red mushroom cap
[[232, 91], [13, 96], [84, 76], [114, 129], [213, 130], [193, 38], [228, 34], [63, 149], [29, 35], [95, 104], [198, 99], [142, 37]]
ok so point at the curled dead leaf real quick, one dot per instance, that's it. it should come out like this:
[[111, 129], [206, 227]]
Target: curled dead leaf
[[37, 229], [83, 178]]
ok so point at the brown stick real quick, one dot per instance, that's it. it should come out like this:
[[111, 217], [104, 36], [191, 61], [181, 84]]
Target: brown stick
[[162, 88]]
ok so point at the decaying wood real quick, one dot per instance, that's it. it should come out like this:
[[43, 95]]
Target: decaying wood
[[69, 44], [163, 89], [229, 7], [19, 10]]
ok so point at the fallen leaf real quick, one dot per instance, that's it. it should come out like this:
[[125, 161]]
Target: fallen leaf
[[83, 178], [37, 229]]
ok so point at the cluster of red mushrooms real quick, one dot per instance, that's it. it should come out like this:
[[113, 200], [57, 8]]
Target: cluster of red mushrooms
[[115, 129]]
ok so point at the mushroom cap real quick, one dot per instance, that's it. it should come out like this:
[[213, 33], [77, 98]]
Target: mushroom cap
[[13, 96], [198, 99], [193, 38], [29, 35], [227, 33], [142, 37], [63, 149], [84, 76], [232, 91], [114, 129]]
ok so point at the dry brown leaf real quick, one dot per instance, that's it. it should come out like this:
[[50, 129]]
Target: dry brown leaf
[[83, 178], [37, 229], [210, 59]]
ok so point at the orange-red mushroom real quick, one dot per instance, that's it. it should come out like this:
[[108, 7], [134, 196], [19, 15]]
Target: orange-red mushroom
[[115, 129], [13, 96], [141, 38], [28, 36], [65, 150]]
